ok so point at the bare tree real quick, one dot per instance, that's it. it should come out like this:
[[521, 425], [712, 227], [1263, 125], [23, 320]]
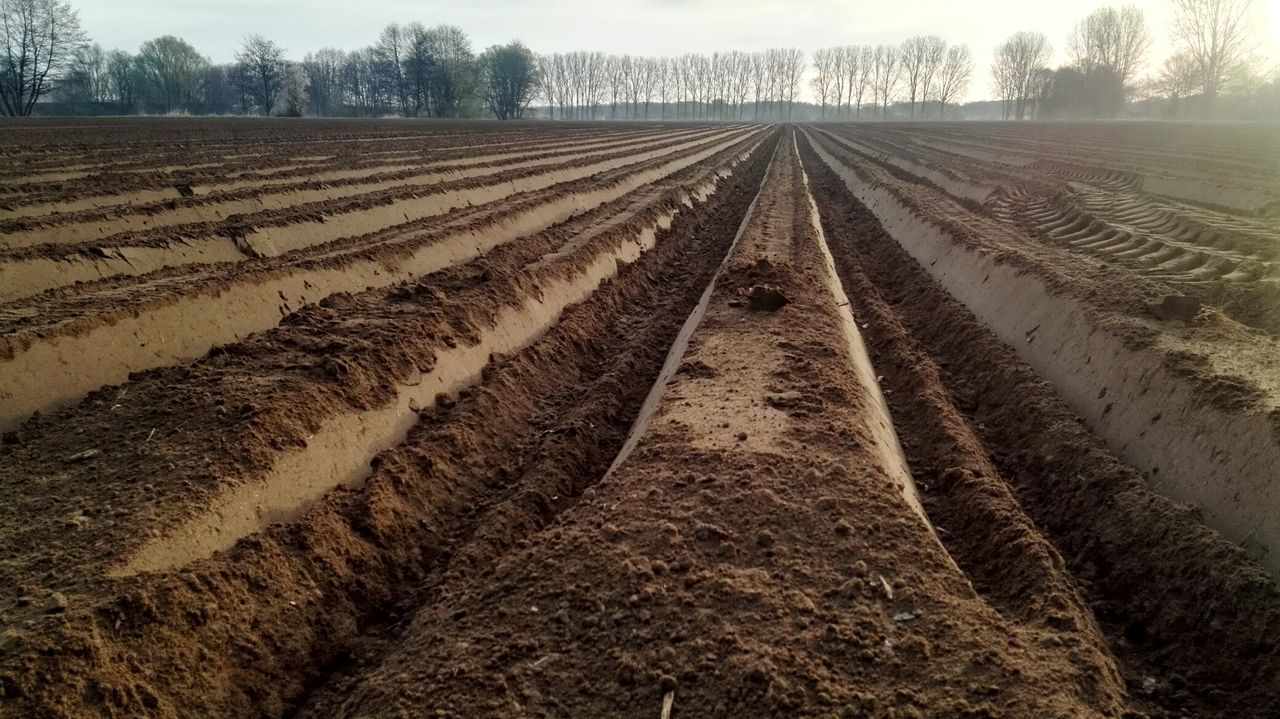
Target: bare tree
[[551, 70], [1108, 47], [826, 67], [171, 69], [616, 75], [887, 73], [920, 57], [389, 51], [510, 79], [635, 85], [652, 81], [935, 53], [953, 76], [123, 76], [792, 73], [759, 80], [324, 79], [1004, 80], [839, 78], [292, 99], [1015, 70], [38, 39], [85, 78], [666, 83], [700, 69], [741, 83], [263, 63], [704, 81], [1116, 40], [1215, 33], [362, 83], [415, 70], [453, 70], [772, 80], [863, 75], [1179, 78], [593, 67]]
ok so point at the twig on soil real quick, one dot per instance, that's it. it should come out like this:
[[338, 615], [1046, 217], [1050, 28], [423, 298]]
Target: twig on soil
[[667, 701], [888, 590]]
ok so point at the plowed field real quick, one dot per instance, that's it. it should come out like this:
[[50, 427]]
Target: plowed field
[[397, 419]]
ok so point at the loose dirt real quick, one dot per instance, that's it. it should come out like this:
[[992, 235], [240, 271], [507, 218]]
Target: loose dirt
[[712, 421]]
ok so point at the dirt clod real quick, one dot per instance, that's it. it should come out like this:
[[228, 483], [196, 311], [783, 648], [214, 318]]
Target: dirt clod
[[1176, 307], [764, 298]]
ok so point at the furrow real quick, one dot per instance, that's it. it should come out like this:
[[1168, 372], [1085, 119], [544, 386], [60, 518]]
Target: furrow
[[99, 338], [293, 187], [1154, 401], [1035, 508], [252, 631], [754, 552]]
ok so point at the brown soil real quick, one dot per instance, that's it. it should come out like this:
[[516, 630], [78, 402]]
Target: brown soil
[[141, 176], [219, 637], [753, 554], [143, 323], [1203, 350], [765, 466], [982, 425], [1212, 380]]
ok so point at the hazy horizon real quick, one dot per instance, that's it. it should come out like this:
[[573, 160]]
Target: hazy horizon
[[643, 27]]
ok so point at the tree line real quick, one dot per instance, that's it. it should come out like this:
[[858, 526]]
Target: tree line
[[1107, 49], [921, 70], [757, 86], [412, 70]]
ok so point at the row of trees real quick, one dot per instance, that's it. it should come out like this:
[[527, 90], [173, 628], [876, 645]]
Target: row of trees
[[416, 71], [732, 85], [923, 69], [1107, 50], [168, 75], [39, 37], [411, 71]]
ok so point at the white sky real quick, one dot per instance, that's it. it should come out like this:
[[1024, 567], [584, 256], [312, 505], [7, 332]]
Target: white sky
[[657, 27]]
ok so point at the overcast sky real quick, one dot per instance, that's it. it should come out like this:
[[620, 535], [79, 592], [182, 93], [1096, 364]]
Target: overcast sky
[[656, 27]]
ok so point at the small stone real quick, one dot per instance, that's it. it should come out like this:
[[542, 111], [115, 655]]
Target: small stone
[[1176, 307], [784, 400], [57, 603]]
